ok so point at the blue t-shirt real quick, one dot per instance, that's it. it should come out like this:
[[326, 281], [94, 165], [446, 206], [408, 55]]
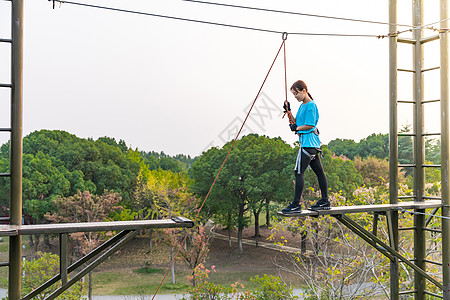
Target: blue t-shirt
[[308, 114]]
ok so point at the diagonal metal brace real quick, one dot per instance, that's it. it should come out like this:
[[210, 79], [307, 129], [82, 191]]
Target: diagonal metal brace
[[364, 236], [92, 265], [78, 264], [370, 238]]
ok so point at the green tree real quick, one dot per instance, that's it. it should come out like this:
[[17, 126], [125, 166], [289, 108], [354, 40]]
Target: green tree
[[254, 164]]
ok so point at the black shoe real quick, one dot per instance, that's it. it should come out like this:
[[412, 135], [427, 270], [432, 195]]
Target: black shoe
[[322, 204], [292, 208]]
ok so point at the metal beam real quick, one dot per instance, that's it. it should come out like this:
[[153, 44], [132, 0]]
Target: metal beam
[[92, 265], [419, 149], [445, 151], [359, 230], [393, 140], [15, 242], [78, 264], [63, 257], [362, 234]]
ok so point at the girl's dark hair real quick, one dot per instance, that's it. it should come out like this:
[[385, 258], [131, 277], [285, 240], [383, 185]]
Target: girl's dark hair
[[300, 85]]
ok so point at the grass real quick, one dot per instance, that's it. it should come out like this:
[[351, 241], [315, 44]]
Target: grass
[[4, 246], [137, 283], [148, 270]]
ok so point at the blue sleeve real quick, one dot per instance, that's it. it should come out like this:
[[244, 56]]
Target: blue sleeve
[[312, 115]]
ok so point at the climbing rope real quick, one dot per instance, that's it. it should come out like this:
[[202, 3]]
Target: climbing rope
[[223, 164]]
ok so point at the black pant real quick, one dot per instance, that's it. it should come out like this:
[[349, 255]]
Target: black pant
[[317, 167]]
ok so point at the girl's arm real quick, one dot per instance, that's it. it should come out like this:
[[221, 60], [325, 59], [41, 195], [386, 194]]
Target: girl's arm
[[304, 127]]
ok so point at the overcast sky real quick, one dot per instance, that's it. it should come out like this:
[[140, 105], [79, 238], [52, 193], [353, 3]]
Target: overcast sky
[[180, 87]]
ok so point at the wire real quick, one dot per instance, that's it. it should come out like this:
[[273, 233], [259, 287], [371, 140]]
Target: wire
[[296, 13], [210, 23], [223, 164], [421, 213]]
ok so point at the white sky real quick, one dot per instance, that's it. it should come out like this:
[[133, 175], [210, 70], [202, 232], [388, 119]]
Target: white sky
[[179, 87]]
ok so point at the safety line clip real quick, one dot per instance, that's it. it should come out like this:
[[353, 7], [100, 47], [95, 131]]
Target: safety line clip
[[284, 36]]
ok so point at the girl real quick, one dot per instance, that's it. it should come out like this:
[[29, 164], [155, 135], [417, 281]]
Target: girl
[[309, 152]]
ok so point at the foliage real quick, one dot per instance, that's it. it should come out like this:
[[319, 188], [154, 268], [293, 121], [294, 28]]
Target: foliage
[[193, 249], [342, 176], [163, 194], [333, 258], [271, 287], [268, 287], [177, 163], [256, 170], [85, 207], [41, 269], [376, 145]]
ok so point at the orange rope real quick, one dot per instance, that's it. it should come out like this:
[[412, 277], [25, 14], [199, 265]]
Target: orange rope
[[220, 170]]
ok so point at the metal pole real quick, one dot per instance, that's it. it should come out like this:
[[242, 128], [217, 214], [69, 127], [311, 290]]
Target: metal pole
[[445, 153], [393, 144], [15, 210], [63, 257], [419, 150]]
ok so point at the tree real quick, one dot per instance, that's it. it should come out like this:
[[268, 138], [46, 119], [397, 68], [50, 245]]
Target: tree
[[85, 207], [341, 176], [253, 170], [194, 250], [375, 171]]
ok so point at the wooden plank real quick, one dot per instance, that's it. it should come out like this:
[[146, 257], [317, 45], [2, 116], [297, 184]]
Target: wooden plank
[[13, 230], [341, 210]]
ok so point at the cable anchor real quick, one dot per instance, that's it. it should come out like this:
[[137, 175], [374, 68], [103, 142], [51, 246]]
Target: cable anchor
[[284, 36]]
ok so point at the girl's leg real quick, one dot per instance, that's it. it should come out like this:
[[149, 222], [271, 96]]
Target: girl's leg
[[299, 179], [316, 166]]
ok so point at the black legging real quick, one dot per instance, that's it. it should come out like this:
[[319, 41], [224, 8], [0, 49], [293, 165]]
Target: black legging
[[316, 166]]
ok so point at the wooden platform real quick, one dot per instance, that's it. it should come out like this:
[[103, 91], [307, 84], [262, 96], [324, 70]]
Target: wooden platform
[[367, 208], [13, 230]]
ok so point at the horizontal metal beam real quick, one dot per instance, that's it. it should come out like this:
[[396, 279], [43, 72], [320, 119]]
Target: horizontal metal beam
[[407, 228], [78, 264], [432, 198], [390, 250], [431, 101], [431, 166], [4, 264], [340, 210], [5, 129], [431, 133], [407, 197], [407, 166], [433, 294], [429, 39], [433, 230], [406, 134], [92, 265], [406, 101], [406, 41], [431, 69], [94, 226], [5, 85], [432, 262], [406, 70], [407, 292], [5, 174], [5, 41]]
